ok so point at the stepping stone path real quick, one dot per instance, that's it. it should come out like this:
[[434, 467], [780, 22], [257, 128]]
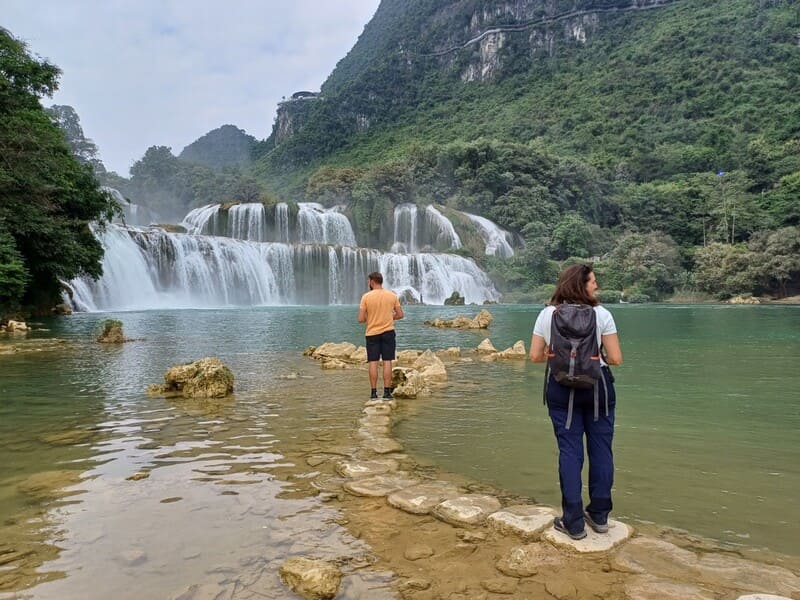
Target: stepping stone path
[[656, 569]]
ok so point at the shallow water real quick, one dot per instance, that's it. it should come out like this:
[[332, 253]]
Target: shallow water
[[706, 440]]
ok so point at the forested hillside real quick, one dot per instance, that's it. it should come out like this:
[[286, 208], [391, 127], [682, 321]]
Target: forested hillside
[[226, 146], [661, 138]]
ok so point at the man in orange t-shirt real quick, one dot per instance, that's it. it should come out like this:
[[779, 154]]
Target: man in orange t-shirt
[[379, 309]]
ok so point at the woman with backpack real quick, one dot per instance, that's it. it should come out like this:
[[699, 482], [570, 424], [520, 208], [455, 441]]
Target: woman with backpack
[[577, 338]]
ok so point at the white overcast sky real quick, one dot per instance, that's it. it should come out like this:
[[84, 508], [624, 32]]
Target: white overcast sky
[[143, 72]]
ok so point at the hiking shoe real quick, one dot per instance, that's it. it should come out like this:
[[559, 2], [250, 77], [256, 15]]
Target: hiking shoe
[[598, 527], [373, 395], [387, 395], [558, 525]]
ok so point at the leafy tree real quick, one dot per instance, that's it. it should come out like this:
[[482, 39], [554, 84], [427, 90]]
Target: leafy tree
[[570, 237], [47, 198], [725, 270], [646, 263], [84, 149]]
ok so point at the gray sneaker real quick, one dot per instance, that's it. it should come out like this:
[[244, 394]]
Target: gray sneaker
[[597, 527], [558, 525]]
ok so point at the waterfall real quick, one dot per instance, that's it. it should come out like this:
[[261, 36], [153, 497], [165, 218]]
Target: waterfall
[[498, 240], [405, 228], [247, 222], [427, 231], [132, 214], [282, 222], [319, 225], [445, 234], [154, 269], [202, 220]]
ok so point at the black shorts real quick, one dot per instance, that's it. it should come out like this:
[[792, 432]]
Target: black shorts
[[382, 346]]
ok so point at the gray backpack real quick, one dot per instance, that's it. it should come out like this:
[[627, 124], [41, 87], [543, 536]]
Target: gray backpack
[[573, 355]]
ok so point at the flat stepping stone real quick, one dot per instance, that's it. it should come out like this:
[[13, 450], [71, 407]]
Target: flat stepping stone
[[421, 499], [355, 469], [526, 521], [644, 587], [618, 532], [380, 485], [383, 445], [471, 509], [762, 597]]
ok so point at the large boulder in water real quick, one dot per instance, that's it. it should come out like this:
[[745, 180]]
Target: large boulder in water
[[204, 378]]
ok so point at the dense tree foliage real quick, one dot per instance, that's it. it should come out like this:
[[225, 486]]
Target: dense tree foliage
[[47, 197], [84, 149]]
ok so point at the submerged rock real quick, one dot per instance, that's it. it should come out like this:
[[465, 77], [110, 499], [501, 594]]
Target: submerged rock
[[204, 378], [311, 579]]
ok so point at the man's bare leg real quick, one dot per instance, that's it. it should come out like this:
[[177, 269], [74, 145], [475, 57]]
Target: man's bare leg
[[373, 374], [387, 374]]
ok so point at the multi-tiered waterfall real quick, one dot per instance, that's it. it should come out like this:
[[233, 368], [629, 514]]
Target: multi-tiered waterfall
[[246, 255]]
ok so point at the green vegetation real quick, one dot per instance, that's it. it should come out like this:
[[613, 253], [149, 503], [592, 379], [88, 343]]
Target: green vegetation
[[47, 197], [666, 134], [226, 146], [171, 186]]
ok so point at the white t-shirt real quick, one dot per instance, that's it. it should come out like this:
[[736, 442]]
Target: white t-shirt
[[605, 324]]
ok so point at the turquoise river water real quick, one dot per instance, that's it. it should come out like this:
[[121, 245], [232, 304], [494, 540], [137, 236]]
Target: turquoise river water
[[706, 440]]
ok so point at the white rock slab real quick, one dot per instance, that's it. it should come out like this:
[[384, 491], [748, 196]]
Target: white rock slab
[[618, 532], [470, 509], [762, 597], [644, 587], [526, 521], [663, 559], [380, 485], [421, 499], [355, 469]]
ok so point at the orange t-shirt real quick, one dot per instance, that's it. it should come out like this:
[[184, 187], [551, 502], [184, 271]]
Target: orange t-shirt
[[380, 305]]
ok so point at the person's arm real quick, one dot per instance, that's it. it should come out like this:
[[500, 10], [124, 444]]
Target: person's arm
[[362, 313], [612, 350], [538, 349], [398, 311]]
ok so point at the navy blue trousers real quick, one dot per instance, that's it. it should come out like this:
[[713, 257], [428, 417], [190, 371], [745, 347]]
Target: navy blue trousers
[[599, 435]]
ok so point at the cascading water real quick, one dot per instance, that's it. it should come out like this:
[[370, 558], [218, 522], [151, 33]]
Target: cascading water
[[422, 231], [244, 255], [498, 240], [154, 269], [319, 225]]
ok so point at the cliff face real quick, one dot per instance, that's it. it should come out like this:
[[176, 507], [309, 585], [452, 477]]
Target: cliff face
[[410, 42], [574, 73]]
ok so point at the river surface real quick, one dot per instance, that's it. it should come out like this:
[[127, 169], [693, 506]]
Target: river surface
[[706, 440]]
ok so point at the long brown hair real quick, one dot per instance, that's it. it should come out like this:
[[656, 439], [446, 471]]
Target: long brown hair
[[571, 286]]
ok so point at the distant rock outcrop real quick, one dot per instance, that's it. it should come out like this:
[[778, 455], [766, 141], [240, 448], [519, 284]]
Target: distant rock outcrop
[[481, 321], [455, 299]]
